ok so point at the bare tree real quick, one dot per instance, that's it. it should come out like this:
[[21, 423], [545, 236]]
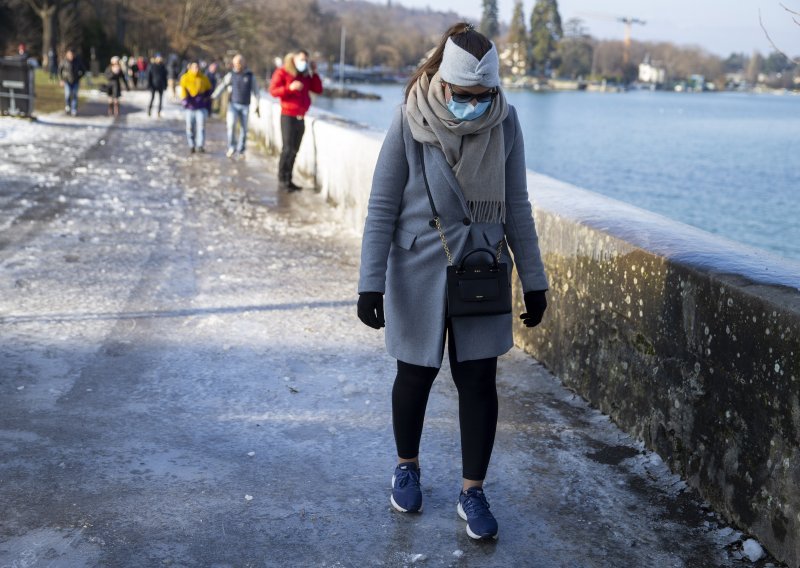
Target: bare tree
[[200, 25], [69, 26], [47, 10], [794, 15]]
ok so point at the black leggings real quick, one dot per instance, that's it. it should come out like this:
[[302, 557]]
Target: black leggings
[[152, 97], [292, 130], [477, 408]]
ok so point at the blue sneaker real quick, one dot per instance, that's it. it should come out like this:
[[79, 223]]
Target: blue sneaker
[[406, 492], [474, 508]]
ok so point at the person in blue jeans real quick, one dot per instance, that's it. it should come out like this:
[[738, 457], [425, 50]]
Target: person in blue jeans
[[241, 85], [70, 73], [196, 99]]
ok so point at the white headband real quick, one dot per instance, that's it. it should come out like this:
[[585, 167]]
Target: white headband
[[459, 67]]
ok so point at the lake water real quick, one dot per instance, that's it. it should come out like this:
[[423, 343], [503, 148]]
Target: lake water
[[728, 163]]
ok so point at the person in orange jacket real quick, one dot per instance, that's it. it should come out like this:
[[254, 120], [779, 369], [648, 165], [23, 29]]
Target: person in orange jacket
[[293, 84]]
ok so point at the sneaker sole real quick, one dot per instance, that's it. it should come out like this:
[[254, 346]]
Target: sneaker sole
[[471, 534], [398, 507]]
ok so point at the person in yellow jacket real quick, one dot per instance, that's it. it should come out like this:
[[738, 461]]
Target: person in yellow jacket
[[195, 89]]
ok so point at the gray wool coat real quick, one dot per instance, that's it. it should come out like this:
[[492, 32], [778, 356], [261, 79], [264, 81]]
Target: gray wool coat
[[403, 258]]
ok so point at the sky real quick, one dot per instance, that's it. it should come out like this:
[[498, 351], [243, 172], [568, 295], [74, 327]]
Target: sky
[[720, 26]]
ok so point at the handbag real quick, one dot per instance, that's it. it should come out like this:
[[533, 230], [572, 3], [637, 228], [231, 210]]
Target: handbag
[[477, 289]]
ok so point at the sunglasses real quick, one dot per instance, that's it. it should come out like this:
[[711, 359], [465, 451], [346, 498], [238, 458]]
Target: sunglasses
[[485, 97]]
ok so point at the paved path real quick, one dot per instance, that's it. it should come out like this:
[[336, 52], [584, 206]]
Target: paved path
[[183, 382]]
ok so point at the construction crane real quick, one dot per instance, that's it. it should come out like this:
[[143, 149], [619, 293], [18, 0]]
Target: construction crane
[[628, 21], [626, 55]]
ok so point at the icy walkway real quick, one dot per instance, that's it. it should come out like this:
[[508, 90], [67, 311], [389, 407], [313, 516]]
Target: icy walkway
[[183, 382]]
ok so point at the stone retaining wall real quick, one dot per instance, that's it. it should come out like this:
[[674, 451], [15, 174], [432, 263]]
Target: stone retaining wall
[[690, 342]]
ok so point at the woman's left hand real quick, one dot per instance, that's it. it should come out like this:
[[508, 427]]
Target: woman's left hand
[[535, 305]]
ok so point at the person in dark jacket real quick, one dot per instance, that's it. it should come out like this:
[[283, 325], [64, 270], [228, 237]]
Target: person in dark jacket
[[241, 85], [293, 84], [116, 78], [53, 66], [69, 75], [173, 74], [156, 82]]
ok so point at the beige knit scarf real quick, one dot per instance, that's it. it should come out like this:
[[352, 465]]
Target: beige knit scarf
[[473, 148]]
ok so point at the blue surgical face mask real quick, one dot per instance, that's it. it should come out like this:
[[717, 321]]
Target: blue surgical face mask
[[465, 111], [301, 65]]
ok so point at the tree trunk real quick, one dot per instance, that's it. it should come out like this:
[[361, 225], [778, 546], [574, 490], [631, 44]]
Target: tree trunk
[[48, 15], [47, 11]]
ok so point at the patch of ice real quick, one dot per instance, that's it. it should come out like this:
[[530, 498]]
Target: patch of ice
[[752, 549]]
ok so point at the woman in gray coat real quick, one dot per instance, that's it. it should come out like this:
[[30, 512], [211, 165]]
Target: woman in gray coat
[[473, 158]]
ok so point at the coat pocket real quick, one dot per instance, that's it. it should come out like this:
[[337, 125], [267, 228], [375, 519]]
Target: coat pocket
[[404, 239], [493, 235]]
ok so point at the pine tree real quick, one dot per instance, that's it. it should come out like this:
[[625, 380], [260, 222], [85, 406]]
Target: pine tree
[[490, 25], [575, 50], [518, 40], [545, 34]]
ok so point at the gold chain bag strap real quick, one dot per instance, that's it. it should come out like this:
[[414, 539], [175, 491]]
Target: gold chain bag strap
[[475, 289]]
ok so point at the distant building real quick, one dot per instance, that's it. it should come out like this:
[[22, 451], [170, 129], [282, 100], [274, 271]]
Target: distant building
[[650, 72]]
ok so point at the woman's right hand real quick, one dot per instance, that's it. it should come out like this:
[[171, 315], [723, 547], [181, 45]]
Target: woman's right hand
[[370, 309], [296, 85]]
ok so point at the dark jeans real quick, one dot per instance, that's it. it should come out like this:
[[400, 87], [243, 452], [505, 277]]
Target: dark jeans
[[152, 97], [71, 95], [477, 408], [292, 130]]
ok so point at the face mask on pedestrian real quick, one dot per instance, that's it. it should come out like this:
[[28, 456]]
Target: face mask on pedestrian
[[460, 104], [300, 65], [465, 111]]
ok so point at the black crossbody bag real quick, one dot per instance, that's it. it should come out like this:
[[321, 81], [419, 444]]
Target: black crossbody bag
[[476, 289]]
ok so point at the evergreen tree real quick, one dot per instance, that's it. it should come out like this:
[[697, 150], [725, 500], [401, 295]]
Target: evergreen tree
[[575, 50], [545, 34], [518, 40], [490, 25]]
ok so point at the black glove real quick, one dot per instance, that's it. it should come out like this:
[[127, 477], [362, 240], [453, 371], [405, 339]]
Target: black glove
[[370, 309], [535, 305]]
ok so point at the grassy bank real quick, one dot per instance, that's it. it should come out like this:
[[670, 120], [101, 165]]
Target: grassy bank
[[49, 95]]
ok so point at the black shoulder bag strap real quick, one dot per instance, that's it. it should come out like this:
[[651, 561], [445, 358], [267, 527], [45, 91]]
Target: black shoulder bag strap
[[434, 223]]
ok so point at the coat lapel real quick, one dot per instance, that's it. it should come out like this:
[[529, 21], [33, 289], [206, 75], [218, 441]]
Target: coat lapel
[[435, 155]]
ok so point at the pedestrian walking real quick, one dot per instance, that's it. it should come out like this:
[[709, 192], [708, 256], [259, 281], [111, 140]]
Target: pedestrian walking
[[116, 78], [52, 65], [173, 73], [133, 71], [212, 72], [293, 84], [196, 97], [454, 154], [156, 82], [140, 69], [241, 85], [70, 73]]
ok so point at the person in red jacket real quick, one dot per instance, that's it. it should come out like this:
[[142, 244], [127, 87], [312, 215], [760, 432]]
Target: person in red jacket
[[293, 84]]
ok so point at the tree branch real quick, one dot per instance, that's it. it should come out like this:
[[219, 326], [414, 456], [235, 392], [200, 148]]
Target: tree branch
[[790, 11], [775, 47]]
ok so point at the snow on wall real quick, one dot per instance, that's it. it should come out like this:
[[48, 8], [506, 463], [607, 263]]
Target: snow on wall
[[688, 340], [337, 155]]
